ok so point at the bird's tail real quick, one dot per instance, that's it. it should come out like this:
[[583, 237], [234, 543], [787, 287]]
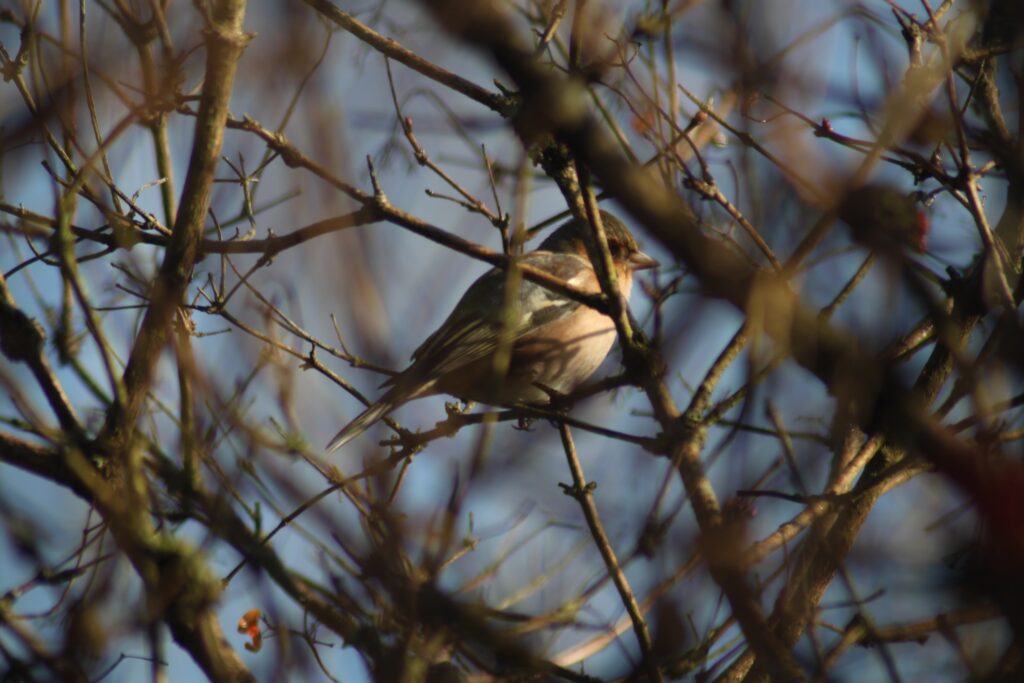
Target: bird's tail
[[364, 421]]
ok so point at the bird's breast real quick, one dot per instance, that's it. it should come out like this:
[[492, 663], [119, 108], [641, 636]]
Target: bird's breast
[[561, 356]]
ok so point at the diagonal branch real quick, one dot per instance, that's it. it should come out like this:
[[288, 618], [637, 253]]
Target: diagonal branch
[[396, 51], [225, 43], [22, 340], [582, 491], [553, 104]]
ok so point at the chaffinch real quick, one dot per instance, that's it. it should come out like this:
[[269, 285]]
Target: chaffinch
[[554, 343]]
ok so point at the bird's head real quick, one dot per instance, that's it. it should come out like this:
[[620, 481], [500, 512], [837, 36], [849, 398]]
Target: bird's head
[[576, 237]]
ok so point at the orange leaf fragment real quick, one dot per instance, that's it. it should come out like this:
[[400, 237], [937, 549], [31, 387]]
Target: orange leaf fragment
[[249, 624]]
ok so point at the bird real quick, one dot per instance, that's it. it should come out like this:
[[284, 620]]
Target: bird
[[553, 343]]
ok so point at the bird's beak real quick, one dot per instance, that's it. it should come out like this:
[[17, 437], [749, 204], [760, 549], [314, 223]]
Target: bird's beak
[[638, 260]]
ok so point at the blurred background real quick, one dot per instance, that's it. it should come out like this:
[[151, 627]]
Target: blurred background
[[870, 150]]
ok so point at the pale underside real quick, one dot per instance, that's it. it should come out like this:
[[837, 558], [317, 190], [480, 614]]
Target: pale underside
[[554, 343]]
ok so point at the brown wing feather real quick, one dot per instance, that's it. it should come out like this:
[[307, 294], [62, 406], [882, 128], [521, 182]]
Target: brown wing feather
[[473, 329]]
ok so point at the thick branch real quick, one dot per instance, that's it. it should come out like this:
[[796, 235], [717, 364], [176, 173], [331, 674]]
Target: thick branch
[[225, 43], [550, 103]]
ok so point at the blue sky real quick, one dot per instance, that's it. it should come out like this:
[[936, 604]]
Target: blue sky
[[412, 284]]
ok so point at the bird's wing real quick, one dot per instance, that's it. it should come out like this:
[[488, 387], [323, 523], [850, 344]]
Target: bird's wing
[[474, 328]]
